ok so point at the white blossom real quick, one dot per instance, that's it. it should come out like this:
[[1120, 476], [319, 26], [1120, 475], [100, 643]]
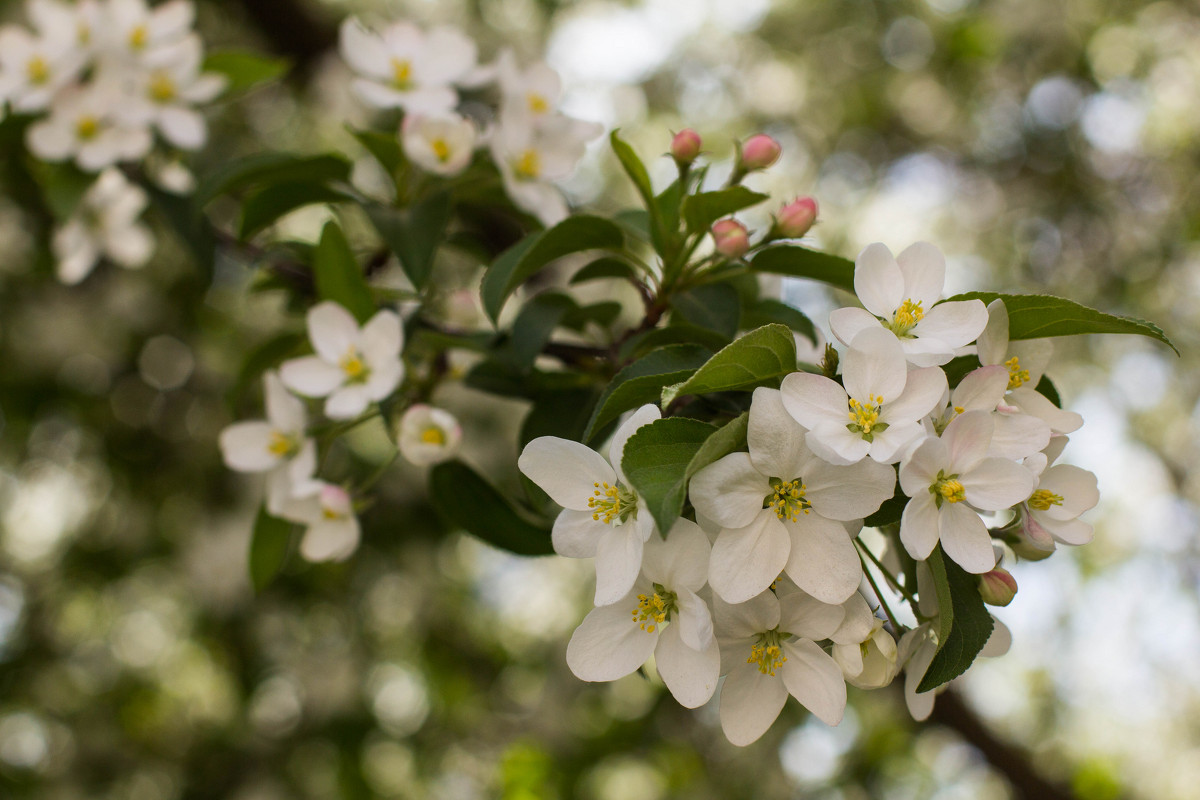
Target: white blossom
[[332, 530], [164, 92], [33, 69], [1062, 493], [439, 143], [866, 652], [132, 30], [428, 435], [105, 225], [84, 125], [353, 366], [1016, 435], [530, 156], [532, 92]]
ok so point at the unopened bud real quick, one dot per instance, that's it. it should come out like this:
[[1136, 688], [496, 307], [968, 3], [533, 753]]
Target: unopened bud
[[796, 218], [731, 238], [685, 147], [1031, 541], [829, 364], [997, 587], [759, 152]]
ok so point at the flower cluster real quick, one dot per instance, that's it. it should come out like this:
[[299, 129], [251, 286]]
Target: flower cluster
[[101, 78], [352, 368], [767, 585], [422, 73]]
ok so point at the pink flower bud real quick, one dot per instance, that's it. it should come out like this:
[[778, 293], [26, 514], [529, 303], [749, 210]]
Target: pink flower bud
[[759, 152], [997, 587], [731, 238], [795, 218], [685, 146]]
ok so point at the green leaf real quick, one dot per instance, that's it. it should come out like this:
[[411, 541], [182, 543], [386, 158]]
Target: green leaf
[[715, 306], [729, 438], [962, 632], [268, 204], [703, 209], [262, 168], [603, 314], [517, 264], [244, 70], [270, 542], [1048, 390], [642, 381], [890, 512], [563, 413], [502, 377], [63, 185], [414, 234], [757, 358], [675, 333], [384, 147], [764, 312], [184, 218], [633, 167], [471, 503], [800, 262], [1033, 316], [656, 461], [606, 267], [537, 320], [634, 221], [338, 276]]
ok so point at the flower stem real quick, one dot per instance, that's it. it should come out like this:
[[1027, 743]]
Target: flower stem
[[891, 617], [891, 579]]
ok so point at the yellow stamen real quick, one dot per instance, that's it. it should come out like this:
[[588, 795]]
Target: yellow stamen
[[769, 657], [401, 73], [529, 165], [537, 103], [907, 315], [138, 37], [281, 444], [329, 513], [440, 149], [162, 88], [653, 609], [433, 435], [86, 127], [788, 501], [864, 417], [612, 503], [1016, 375], [951, 490], [38, 70], [355, 368], [1042, 499]]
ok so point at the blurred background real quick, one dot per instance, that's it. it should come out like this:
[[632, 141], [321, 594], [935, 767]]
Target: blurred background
[[1045, 147]]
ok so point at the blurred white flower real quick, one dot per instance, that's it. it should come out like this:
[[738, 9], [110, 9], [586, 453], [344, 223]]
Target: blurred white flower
[[332, 530], [83, 125], [428, 435], [105, 225], [530, 156], [133, 31], [164, 92], [34, 68], [440, 143], [532, 91]]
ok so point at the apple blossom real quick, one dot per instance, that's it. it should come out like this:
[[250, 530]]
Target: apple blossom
[[164, 92], [532, 92], [866, 652], [83, 125], [1016, 435], [530, 156], [442, 144], [104, 225], [132, 30], [428, 435], [1062, 493], [332, 531], [33, 69]]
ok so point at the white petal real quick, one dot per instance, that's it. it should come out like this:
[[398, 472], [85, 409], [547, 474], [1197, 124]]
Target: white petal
[[681, 560], [1033, 355], [745, 561], [923, 390], [691, 675], [1018, 436], [576, 534], [382, 337], [618, 562], [856, 625], [332, 330], [919, 471], [310, 376], [130, 247], [183, 127], [981, 389], [245, 446], [750, 702], [997, 483], [965, 538], [740, 620], [729, 491], [1073, 532], [919, 526], [815, 679], [919, 705], [693, 620], [956, 324], [813, 400], [347, 402], [1077, 487], [565, 470], [849, 492], [1035, 403], [924, 270], [363, 50], [330, 540], [846, 323], [822, 559], [897, 441], [874, 366], [832, 442], [803, 615], [878, 281], [616, 450], [284, 410], [999, 642], [608, 644], [992, 343], [776, 440], [967, 439]]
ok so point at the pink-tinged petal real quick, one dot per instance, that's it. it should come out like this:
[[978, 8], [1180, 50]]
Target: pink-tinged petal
[[183, 127], [246, 446], [967, 439], [920, 470], [1072, 532], [310, 376], [894, 443], [1032, 402], [608, 644], [347, 402], [747, 560], [981, 389], [691, 675], [996, 484], [776, 440], [805, 616], [822, 559], [955, 324], [836, 444], [1033, 355], [1018, 436], [874, 366], [616, 450], [576, 534], [618, 562], [382, 337], [332, 331], [814, 678], [924, 269], [813, 400], [565, 470], [965, 538], [919, 526], [848, 492], [693, 620], [919, 705], [750, 703], [878, 281], [846, 323], [736, 621], [992, 342], [285, 411], [681, 560], [1077, 488], [923, 390], [331, 540], [729, 491]]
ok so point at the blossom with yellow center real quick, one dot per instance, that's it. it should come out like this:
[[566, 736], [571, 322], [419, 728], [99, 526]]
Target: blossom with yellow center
[[907, 316], [401, 73], [537, 103], [355, 367], [162, 88], [1042, 499], [788, 500], [609, 503], [864, 417], [433, 435], [529, 165], [87, 127], [1016, 376], [767, 652], [654, 609], [283, 444], [138, 37], [37, 70]]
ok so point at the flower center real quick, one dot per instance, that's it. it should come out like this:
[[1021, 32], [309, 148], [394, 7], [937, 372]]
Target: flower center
[[38, 70], [138, 37], [907, 315], [787, 501], [654, 609], [1042, 499], [440, 149], [528, 165], [86, 127], [537, 103], [433, 435], [1016, 375], [767, 652], [401, 73], [282, 444], [162, 88], [83, 33], [355, 367], [609, 503], [947, 488], [864, 417]]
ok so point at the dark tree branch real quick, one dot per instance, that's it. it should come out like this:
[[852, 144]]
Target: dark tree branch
[[292, 28]]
